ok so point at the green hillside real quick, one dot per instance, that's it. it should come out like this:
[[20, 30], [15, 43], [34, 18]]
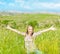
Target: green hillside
[[13, 43]]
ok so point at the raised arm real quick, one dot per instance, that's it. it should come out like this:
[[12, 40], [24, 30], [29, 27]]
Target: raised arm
[[8, 27], [45, 30], [51, 28]]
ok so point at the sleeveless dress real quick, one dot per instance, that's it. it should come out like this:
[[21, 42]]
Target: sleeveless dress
[[30, 45]]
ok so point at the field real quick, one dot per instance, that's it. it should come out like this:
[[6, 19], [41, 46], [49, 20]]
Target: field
[[13, 43]]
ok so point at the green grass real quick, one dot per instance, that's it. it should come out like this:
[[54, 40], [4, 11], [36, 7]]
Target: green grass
[[13, 43]]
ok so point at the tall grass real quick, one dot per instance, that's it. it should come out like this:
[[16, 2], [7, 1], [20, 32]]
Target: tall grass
[[13, 43]]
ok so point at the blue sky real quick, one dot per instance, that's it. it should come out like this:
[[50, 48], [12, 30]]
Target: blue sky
[[30, 5]]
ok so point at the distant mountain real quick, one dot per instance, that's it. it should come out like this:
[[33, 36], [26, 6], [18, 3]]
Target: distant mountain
[[17, 12]]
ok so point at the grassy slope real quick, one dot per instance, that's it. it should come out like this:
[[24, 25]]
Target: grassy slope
[[12, 43]]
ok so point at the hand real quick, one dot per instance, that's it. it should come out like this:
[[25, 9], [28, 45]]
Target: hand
[[8, 27], [52, 28]]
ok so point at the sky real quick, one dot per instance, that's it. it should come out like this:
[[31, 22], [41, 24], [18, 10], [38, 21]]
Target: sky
[[30, 5]]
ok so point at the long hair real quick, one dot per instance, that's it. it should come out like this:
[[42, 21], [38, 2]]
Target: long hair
[[32, 30]]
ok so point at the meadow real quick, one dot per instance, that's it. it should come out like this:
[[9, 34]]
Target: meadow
[[13, 43]]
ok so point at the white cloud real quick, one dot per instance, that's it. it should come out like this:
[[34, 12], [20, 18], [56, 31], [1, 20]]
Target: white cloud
[[26, 7], [46, 5], [23, 4], [51, 5], [37, 5], [2, 3], [11, 4], [19, 1]]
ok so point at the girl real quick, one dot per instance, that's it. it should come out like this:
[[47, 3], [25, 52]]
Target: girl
[[29, 38]]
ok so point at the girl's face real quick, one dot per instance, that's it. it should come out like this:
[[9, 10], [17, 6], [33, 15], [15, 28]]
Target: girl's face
[[30, 29]]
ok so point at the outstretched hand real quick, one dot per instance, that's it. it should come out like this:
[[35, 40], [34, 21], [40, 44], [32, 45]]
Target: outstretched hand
[[8, 27], [52, 28]]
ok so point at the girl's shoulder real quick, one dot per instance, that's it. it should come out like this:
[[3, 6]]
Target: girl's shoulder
[[34, 35]]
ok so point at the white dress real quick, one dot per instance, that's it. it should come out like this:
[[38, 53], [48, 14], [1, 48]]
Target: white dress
[[29, 42]]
